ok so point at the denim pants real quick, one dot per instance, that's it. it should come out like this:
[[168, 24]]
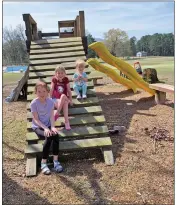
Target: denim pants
[[82, 88]]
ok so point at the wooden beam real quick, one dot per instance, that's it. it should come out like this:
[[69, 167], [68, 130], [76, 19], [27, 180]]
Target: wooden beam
[[162, 87], [65, 24], [31, 166], [93, 110], [53, 41], [31, 27], [66, 35], [76, 121], [28, 30], [71, 145], [78, 26], [76, 132], [50, 34], [82, 23]]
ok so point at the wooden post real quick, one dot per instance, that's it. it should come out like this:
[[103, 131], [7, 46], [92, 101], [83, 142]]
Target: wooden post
[[28, 30], [78, 26], [75, 28], [31, 30], [85, 44], [40, 34], [34, 32], [59, 29], [82, 23], [160, 97]]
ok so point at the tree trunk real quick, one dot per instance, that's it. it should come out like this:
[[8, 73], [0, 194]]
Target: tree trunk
[[150, 75]]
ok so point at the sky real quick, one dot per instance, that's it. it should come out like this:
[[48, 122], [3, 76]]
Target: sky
[[136, 18]]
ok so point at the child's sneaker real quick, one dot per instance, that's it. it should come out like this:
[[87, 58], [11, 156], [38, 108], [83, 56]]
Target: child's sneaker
[[78, 97], [67, 126], [45, 169], [84, 96], [57, 167]]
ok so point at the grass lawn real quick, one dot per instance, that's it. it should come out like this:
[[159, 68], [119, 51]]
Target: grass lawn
[[163, 65], [10, 78]]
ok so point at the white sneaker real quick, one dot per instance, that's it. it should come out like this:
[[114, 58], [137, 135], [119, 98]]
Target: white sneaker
[[84, 96], [78, 97]]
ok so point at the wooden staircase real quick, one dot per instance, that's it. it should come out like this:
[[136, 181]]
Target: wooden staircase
[[86, 117]]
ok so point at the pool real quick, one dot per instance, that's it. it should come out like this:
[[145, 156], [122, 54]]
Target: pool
[[15, 69]]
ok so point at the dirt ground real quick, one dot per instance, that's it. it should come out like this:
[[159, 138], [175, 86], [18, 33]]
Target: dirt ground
[[139, 175]]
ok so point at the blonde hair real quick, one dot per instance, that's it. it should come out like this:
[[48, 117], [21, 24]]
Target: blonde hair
[[41, 84], [80, 62], [60, 68]]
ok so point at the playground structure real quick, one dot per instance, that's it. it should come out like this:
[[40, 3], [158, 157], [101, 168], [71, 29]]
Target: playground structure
[[121, 65], [86, 117], [112, 73], [157, 89]]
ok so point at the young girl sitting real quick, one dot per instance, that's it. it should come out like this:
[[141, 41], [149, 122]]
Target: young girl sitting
[[42, 109], [60, 89], [80, 79]]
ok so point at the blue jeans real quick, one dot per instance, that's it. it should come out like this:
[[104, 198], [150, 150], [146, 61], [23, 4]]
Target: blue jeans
[[82, 88]]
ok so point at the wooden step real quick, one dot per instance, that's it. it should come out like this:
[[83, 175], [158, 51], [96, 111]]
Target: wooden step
[[56, 55], [56, 45], [90, 85], [57, 40], [57, 60], [90, 92], [76, 121], [76, 132], [68, 66], [76, 111], [90, 101], [72, 145], [49, 79], [51, 73], [56, 50]]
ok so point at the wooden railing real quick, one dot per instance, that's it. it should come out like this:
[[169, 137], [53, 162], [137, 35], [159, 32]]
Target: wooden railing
[[77, 25], [31, 30]]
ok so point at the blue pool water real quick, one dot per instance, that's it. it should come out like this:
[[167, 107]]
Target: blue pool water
[[14, 69]]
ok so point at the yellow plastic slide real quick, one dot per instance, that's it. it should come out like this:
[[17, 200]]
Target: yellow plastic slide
[[112, 73], [123, 66]]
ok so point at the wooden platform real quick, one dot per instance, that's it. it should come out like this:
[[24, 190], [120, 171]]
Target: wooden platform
[[86, 117], [161, 90]]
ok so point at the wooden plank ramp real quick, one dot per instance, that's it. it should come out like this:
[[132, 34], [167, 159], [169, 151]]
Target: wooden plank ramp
[[87, 120]]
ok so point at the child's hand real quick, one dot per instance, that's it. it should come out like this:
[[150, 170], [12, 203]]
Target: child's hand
[[71, 103], [78, 78], [47, 132], [54, 130]]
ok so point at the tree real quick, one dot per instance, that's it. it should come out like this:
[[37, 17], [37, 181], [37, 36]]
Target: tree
[[90, 40], [117, 42], [14, 46], [157, 44], [133, 42]]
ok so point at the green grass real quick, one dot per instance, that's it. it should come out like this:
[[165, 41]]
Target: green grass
[[10, 78], [163, 65]]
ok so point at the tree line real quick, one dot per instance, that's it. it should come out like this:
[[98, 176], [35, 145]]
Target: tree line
[[155, 45], [120, 45], [116, 40]]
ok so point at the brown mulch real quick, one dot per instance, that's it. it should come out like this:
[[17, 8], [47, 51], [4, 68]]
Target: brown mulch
[[138, 176]]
